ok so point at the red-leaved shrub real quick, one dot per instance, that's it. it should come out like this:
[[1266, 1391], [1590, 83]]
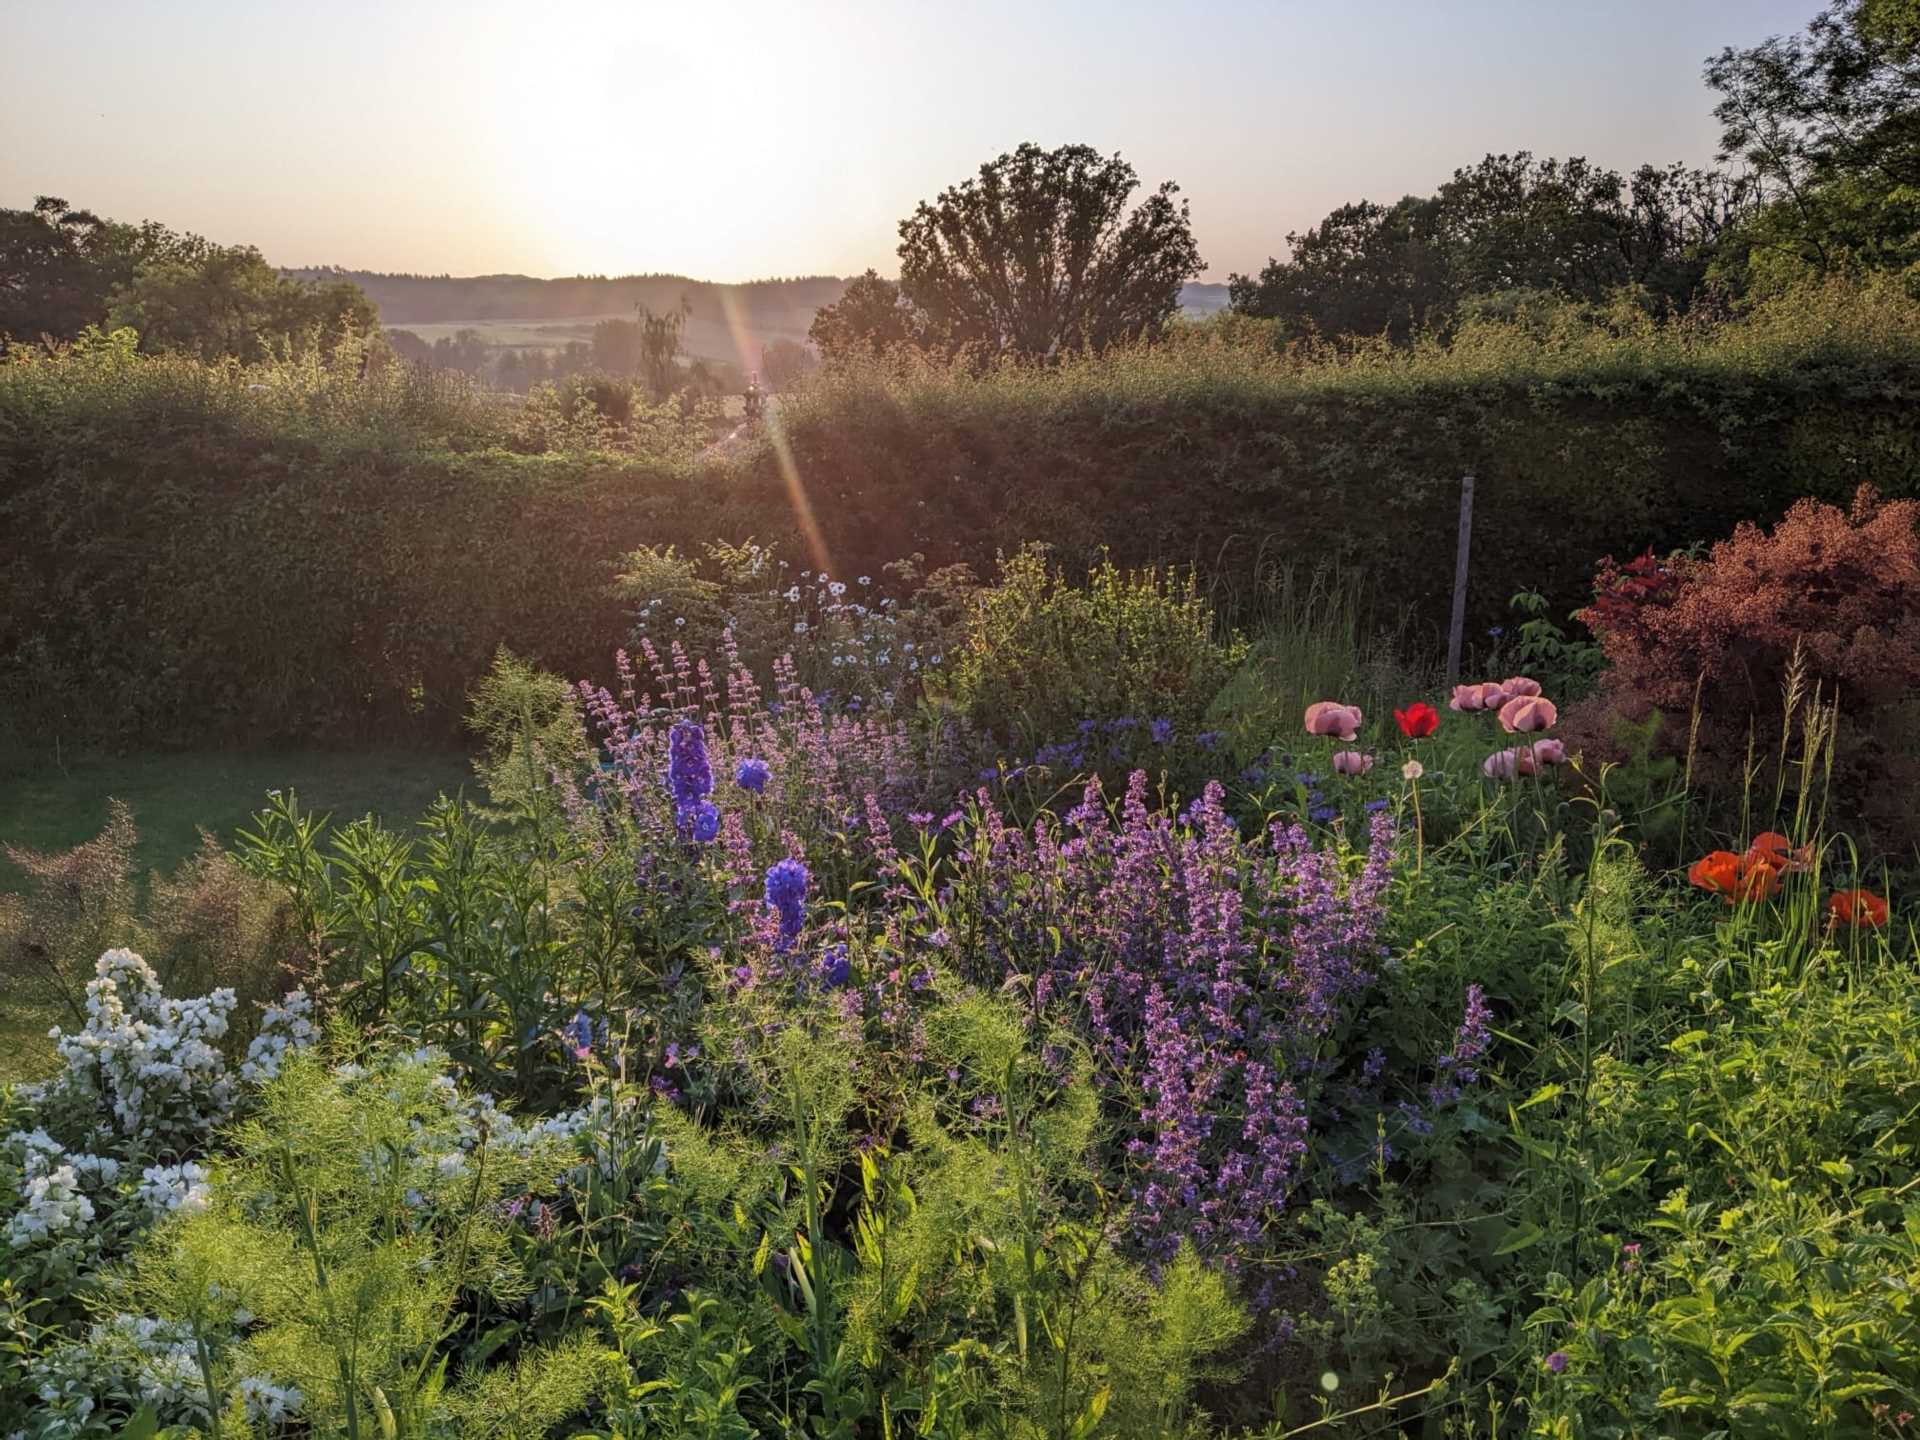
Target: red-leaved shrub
[[1841, 589]]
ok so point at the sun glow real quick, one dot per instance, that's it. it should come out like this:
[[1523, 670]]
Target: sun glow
[[674, 143]]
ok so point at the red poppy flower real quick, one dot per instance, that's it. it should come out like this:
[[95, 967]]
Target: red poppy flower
[[1857, 907], [1418, 720]]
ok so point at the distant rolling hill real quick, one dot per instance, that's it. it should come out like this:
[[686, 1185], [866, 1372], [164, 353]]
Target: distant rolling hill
[[727, 322]]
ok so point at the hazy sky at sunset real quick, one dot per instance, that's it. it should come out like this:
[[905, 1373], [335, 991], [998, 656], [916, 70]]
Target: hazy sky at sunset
[[733, 140]]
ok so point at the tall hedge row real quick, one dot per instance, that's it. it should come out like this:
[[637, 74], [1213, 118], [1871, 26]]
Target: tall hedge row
[[185, 559]]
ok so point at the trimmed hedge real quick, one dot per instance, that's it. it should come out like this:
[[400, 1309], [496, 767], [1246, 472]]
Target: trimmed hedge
[[1241, 464], [186, 558]]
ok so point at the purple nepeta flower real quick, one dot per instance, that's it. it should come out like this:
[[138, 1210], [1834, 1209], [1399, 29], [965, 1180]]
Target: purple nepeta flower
[[752, 775], [1162, 730], [1202, 967], [787, 893], [1457, 1069]]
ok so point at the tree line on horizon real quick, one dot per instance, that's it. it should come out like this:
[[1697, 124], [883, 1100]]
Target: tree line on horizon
[[1045, 252], [1818, 174]]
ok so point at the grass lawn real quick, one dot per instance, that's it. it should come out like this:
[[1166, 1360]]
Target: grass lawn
[[173, 797]]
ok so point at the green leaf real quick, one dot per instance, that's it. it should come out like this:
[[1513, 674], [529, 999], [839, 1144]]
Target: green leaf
[[1519, 1238], [1542, 1095]]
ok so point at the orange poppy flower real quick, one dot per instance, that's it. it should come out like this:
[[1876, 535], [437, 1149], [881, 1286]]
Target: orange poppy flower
[[1735, 877], [1857, 907], [1758, 879], [1779, 852], [1718, 873]]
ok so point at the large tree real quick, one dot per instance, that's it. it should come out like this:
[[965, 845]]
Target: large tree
[[1511, 224], [1829, 123], [1366, 269], [872, 315], [1040, 253], [59, 266], [225, 300], [63, 269]]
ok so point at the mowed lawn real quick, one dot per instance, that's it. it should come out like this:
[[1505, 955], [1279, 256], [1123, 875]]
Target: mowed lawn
[[174, 797]]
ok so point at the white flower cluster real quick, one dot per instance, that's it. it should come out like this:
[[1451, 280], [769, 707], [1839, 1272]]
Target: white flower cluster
[[167, 1188], [269, 1404], [53, 1205], [150, 1067], [52, 1208], [153, 1359], [153, 1061], [166, 1369], [283, 1027]]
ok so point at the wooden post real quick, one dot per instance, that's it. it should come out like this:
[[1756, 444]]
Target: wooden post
[[1458, 628]]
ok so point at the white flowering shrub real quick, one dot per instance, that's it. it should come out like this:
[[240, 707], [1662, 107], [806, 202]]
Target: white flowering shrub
[[147, 1073], [268, 1405], [152, 1063]]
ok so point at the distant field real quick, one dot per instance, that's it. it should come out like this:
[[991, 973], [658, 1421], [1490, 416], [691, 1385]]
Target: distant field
[[703, 340], [707, 337]]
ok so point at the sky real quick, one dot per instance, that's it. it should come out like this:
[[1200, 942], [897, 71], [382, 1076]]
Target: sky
[[737, 140]]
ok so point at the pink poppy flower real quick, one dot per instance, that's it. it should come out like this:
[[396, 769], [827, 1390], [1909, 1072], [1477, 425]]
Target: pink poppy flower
[[1509, 764], [1330, 717], [1351, 762], [1520, 685], [1468, 697], [1528, 712], [1550, 752]]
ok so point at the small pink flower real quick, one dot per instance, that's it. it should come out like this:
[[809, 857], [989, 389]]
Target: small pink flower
[[1549, 752], [1520, 685], [1351, 762], [1330, 717], [1527, 713]]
